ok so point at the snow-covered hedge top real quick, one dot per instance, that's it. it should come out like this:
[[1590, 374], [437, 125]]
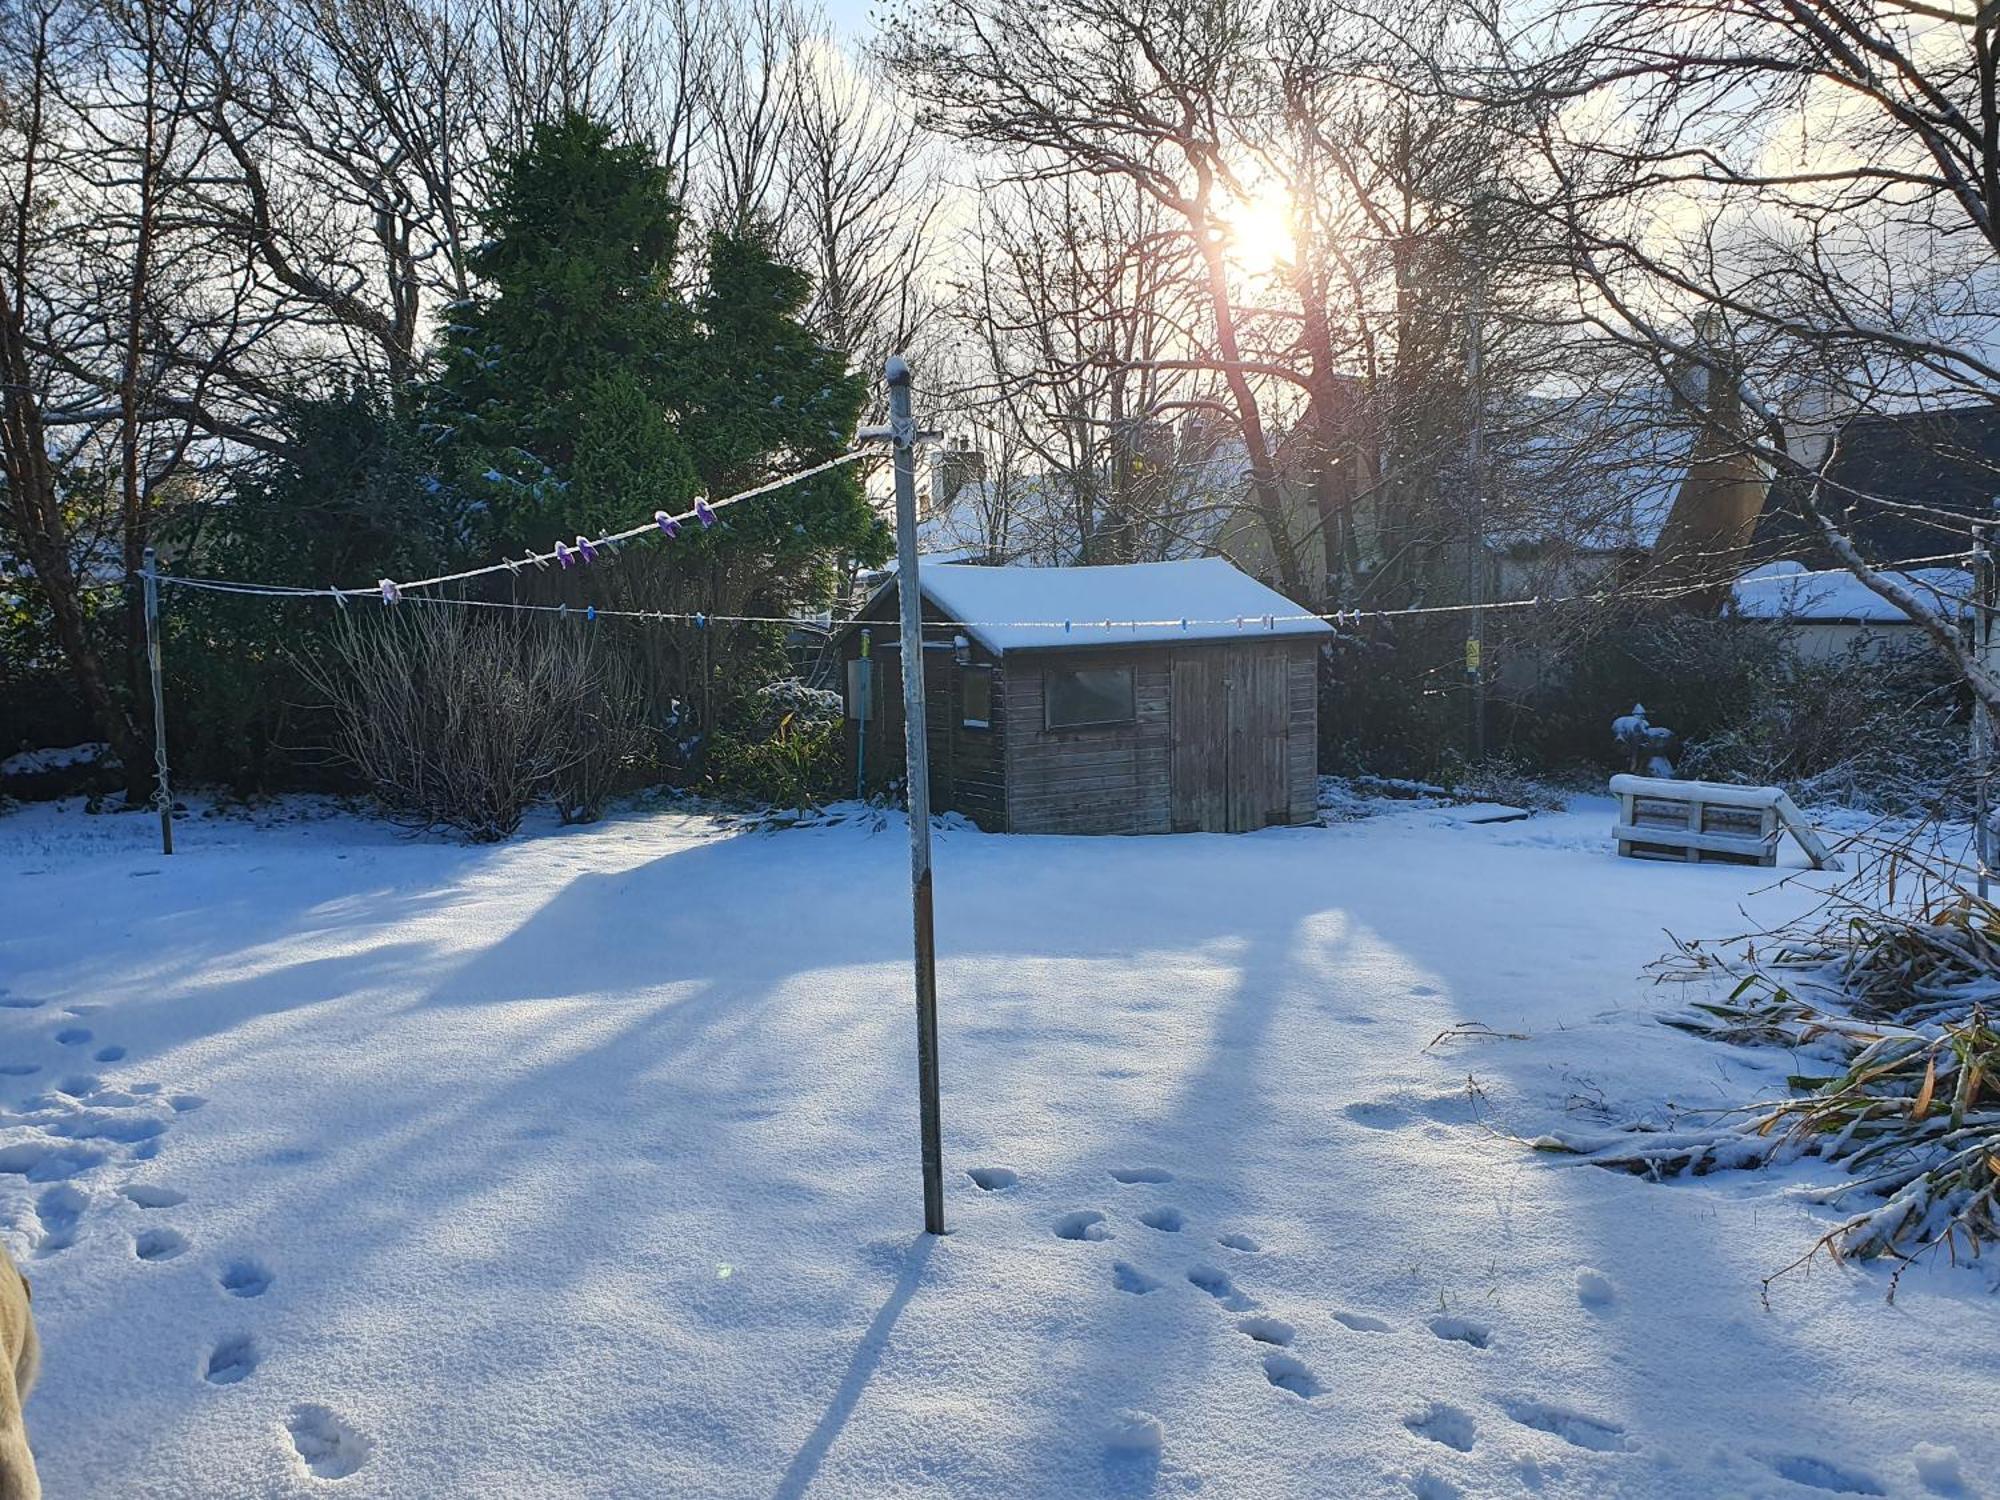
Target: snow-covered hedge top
[[60, 758], [1785, 590], [1011, 609]]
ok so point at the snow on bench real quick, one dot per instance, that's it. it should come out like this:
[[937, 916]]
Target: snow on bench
[[1698, 821]]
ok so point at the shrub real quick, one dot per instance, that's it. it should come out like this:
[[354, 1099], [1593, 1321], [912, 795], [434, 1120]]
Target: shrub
[[465, 722], [797, 763], [1875, 732]]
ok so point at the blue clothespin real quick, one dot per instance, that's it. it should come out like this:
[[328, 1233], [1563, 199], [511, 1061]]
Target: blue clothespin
[[590, 613], [390, 593]]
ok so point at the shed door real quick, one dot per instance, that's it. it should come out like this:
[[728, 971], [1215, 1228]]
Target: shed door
[[1229, 722]]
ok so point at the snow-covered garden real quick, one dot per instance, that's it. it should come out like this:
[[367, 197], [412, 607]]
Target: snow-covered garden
[[586, 1164]]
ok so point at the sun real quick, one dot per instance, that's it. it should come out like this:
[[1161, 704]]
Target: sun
[[1260, 232]]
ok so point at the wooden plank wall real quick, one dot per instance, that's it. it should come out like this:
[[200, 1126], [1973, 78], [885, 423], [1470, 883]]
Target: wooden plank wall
[[979, 764], [1105, 780], [1302, 731]]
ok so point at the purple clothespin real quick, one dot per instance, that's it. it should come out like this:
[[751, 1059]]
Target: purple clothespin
[[390, 593], [589, 552], [703, 514], [564, 555], [667, 524]]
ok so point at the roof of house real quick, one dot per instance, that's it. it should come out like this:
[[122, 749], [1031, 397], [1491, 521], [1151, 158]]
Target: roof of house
[[1902, 485], [1201, 599], [1787, 591]]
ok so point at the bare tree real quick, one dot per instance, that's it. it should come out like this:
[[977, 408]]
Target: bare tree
[[1796, 199]]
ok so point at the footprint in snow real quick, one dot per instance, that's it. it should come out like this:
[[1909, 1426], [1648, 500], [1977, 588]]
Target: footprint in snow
[[1218, 1286], [1462, 1331], [231, 1360], [1130, 1175], [44, 1161], [246, 1278], [73, 1036], [1166, 1220], [1572, 1427], [20, 1002], [1819, 1474], [1289, 1373], [1241, 1242], [327, 1446], [1361, 1322], [1428, 1486], [1084, 1224], [152, 1195], [103, 1125], [158, 1244], [1444, 1424], [1594, 1289], [59, 1209], [109, 1054], [1267, 1330], [1129, 1278], [19, 1070], [993, 1179]]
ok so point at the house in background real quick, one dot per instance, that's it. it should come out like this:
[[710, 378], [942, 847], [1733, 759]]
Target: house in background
[[1903, 485], [1830, 615], [1167, 697], [1906, 488]]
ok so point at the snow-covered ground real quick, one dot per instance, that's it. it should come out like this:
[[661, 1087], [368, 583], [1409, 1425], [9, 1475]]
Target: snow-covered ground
[[586, 1165]]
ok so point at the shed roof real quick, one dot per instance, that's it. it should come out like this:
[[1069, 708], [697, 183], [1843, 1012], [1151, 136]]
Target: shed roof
[[1201, 599], [1787, 590]]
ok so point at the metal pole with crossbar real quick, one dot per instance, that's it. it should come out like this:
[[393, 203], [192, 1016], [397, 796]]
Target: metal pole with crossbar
[[903, 441]]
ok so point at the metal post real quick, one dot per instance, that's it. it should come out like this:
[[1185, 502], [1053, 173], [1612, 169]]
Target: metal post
[[1986, 647], [1475, 542], [864, 694], [903, 437], [163, 796]]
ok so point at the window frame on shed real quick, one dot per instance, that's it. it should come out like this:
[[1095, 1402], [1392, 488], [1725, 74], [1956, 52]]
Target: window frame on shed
[[1052, 673], [967, 674]]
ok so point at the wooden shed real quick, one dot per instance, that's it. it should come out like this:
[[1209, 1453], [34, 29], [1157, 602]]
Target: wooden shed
[[1167, 697]]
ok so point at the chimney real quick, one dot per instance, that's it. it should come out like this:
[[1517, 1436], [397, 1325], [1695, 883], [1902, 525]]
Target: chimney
[[955, 466]]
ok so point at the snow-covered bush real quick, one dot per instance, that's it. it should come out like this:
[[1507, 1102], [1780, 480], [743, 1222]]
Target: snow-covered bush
[[795, 764], [794, 698], [1879, 733], [1889, 1010], [464, 721]]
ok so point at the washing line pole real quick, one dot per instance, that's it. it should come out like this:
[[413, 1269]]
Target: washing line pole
[[903, 441], [163, 796], [1986, 648]]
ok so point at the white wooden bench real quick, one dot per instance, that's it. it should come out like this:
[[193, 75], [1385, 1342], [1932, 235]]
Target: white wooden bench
[[1694, 821]]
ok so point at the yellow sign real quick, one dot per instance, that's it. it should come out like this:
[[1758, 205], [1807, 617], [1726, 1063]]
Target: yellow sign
[[1472, 653]]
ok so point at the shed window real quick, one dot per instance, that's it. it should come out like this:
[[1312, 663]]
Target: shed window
[[1090, 695], [975, 685]]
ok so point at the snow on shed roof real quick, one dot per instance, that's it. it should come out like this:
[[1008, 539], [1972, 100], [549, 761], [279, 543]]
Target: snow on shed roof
[[1786, 590], [1015, 609]]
